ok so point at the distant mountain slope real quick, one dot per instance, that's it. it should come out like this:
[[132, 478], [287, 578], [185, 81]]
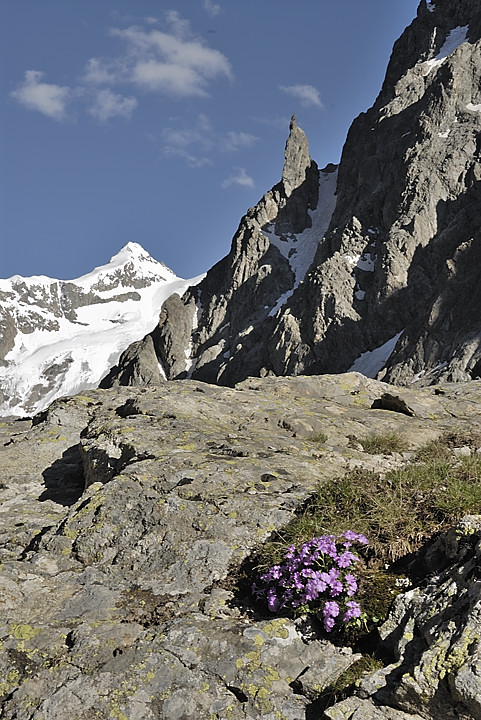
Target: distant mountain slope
[[393, 288], [59, 337]]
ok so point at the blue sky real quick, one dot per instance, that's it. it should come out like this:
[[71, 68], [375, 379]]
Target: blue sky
[[162, 123]]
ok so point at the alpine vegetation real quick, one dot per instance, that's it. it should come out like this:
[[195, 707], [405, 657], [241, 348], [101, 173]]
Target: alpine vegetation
[[316, 579]]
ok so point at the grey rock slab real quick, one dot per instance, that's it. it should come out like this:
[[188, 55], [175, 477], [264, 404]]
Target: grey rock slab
[[356, 709], [119, 605]]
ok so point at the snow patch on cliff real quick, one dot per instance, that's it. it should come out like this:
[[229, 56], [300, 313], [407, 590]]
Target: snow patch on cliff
[[372, 361], [300, 249]]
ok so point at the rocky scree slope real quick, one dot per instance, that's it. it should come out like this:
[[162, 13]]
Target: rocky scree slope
[[60, 336], [127, 512], [395, 253]]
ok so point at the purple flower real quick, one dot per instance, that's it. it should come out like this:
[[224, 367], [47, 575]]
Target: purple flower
[[311, 576], [330, 611], [356, 537], [336, 588], [353, 611], [312, 591], [346, 559], [330, 608], [298, 584], [328, 623], [333, 574], [273, 601], [351, 583], [326, 545]]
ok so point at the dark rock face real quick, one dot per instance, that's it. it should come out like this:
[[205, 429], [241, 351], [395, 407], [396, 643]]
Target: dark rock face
[[217, 332], [397, 261], [408, 211], [138, 365]]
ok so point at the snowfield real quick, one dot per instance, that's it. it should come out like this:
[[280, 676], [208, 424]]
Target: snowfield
[[62, 349]]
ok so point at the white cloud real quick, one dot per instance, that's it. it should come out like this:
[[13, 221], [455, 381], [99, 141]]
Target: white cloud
[[212, 8], [200, 134], [239, 177], [174, 63], [108, 105], [168, 78], [50, 100], [307, 94], [193, 161], [166, 59], [180, 27], [179, 141], [187, 142], [101, 71], [236, 140]]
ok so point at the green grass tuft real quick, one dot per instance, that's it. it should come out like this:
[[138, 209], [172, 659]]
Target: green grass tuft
[[318, 437], [383, 443], [398, 512]]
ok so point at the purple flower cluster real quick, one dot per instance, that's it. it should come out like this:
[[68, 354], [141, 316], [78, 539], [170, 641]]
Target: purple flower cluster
[[310, 579]]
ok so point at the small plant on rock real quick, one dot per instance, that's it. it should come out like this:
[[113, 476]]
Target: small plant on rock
[[383, 443], [318, 437], [316, 579]]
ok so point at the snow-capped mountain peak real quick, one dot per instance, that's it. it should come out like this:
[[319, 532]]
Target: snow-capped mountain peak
[[62, 336], [132, 264]]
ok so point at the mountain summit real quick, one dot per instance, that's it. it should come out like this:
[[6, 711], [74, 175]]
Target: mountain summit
[[61, 336], [218, 331], [374, 268]]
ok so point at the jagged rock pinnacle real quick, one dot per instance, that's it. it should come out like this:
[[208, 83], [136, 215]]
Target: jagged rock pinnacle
[[297, 158]]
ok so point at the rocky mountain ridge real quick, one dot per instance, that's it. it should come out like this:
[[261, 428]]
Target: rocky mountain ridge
[[394, 246]]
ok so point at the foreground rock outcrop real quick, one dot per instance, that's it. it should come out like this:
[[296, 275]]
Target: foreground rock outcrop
[[126, 514], [434, 633]]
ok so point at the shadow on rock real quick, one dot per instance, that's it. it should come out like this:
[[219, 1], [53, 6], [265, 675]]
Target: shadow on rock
[[64, 479]]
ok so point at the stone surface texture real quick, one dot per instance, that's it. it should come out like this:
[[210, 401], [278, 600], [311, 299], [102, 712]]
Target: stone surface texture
[[125, 512], [434, 632]]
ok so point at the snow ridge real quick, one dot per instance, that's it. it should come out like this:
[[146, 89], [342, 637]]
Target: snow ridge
[[70, 333]]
